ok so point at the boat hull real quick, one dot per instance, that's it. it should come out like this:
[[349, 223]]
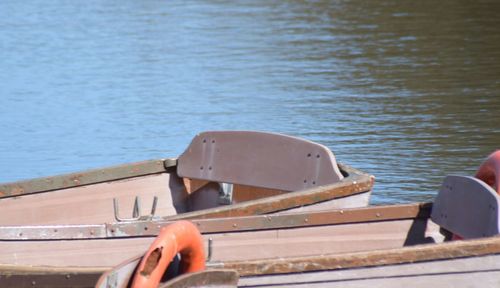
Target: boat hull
[[461, 272]]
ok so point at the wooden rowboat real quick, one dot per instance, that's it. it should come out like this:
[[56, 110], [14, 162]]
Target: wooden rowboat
[[380, 246], [389, 246], [220, 174]]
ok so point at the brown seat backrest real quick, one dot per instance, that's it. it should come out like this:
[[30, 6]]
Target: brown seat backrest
[[259, 159], [467, 207]]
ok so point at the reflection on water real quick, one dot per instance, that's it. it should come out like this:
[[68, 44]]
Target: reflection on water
[[406, 90]]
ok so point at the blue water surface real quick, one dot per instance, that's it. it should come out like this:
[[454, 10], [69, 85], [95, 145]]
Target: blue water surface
[[408, 92]]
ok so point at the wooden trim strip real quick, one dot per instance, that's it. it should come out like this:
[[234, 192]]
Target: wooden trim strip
[[89, 177], [317, 218], [7, 269], [222, 225], [419, 253]]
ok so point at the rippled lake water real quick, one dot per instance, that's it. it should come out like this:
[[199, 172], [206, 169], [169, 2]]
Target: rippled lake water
[[406, 90]]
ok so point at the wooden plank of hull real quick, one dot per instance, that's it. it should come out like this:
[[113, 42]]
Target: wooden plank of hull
[[81, 253], [336, 239], [480, 271], [227, 245], [93, 203], [219, 225], [380, 227], [418, 253]]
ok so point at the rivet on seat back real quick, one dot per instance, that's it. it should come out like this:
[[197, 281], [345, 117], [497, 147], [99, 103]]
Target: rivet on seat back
[[467, 207], [259, 159]]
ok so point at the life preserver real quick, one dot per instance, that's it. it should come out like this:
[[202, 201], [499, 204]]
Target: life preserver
[[489, 171], [180, 237]]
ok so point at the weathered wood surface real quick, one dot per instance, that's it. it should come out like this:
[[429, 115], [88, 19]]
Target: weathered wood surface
[[306, 168], [475, 271], [480, 271], [85, 177], [471, 263], [226, 246], [94, 203], [419, 253], [290, 243], [220, 225]]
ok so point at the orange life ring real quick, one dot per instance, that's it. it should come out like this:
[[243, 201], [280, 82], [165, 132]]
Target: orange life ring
[[489, 171], [180, 237]]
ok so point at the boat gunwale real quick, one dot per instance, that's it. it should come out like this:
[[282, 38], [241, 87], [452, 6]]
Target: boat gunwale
[[219, 225], [84, 178]]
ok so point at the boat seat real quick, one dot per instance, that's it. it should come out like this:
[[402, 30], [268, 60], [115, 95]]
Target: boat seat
[[467, 207], [258, 159]]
